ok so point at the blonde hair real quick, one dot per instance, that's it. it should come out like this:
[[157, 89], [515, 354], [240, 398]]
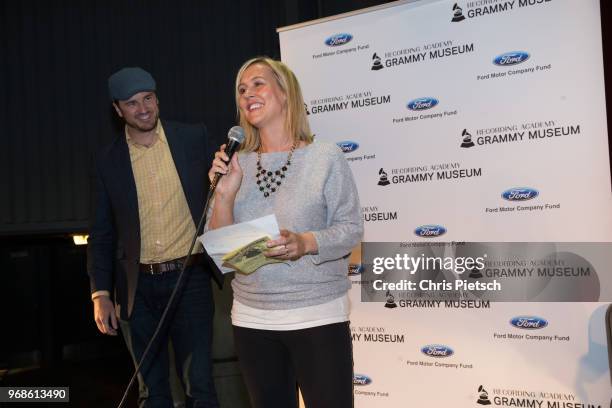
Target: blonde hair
[[296, 122]]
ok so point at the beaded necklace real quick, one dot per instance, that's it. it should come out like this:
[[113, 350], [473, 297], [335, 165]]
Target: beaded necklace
[[269, 181]]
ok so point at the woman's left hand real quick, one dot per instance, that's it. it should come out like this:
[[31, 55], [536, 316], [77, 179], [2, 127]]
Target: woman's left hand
[[292, 246]]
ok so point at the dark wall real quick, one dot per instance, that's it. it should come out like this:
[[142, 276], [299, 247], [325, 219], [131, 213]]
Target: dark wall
[[54, 110]]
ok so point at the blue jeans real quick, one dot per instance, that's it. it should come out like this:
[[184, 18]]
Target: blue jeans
[[189, 327]]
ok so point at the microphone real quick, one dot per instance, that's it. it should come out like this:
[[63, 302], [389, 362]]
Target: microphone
[[235, 137]]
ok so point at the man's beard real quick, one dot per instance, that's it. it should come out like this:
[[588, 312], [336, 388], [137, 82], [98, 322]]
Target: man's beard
[[148, 128]]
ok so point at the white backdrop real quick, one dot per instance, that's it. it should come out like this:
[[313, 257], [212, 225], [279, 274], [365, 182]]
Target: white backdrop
[[485, 119]]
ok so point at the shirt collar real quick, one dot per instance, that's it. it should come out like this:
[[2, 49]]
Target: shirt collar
[[159, 130]]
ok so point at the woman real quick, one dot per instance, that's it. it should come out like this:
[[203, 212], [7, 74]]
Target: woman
[[290, 319]]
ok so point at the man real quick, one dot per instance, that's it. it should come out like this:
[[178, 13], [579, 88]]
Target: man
[[149, 194]]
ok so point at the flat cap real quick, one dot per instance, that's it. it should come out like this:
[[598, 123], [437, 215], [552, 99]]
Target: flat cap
[[126, 82]]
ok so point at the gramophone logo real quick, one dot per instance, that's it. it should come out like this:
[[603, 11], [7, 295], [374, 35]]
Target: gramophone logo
[[390, 304], [383, 180], [377, 64], [466, 140], [306, 108], [483, 396], [457, 14], [475, 273]]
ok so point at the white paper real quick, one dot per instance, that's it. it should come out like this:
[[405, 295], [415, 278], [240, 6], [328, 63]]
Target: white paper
[[221, 241]]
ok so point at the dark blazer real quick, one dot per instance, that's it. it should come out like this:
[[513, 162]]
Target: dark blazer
[[114, 239]]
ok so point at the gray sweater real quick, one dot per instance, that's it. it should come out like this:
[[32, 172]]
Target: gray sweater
[[319, 195]]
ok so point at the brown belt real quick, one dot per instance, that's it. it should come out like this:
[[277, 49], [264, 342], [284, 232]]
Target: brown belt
[[170, 266]]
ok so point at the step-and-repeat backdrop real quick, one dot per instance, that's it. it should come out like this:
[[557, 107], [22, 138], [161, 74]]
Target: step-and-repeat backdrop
[[471, 121]]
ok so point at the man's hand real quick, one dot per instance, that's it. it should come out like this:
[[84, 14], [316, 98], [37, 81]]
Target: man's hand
[[104, 315]]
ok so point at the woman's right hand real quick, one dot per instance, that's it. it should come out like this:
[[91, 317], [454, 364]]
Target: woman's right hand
[[228, 185]]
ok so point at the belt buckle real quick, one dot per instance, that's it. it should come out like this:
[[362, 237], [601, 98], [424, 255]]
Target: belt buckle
[[151, 270]]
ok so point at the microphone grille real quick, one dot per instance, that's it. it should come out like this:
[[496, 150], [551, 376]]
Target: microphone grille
[[236, 133]]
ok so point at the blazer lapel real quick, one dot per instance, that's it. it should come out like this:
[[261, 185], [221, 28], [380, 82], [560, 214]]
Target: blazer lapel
[[179, 156], [125, 175]]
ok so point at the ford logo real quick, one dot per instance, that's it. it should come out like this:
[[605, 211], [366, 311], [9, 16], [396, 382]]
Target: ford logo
[[355, 269], [360, 379], [511, 58], [348, 146], [520, 194], [338, 39], [420, 104], [529, 322], [437, 351], [430, 231]]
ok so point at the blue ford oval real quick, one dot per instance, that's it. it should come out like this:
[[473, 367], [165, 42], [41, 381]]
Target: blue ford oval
[[511, 58], [520, 194], [430, 231], [355, 269], [420, 104], [437, 350], [338, 39], [360, 379], [529, 322], [348, 146]]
